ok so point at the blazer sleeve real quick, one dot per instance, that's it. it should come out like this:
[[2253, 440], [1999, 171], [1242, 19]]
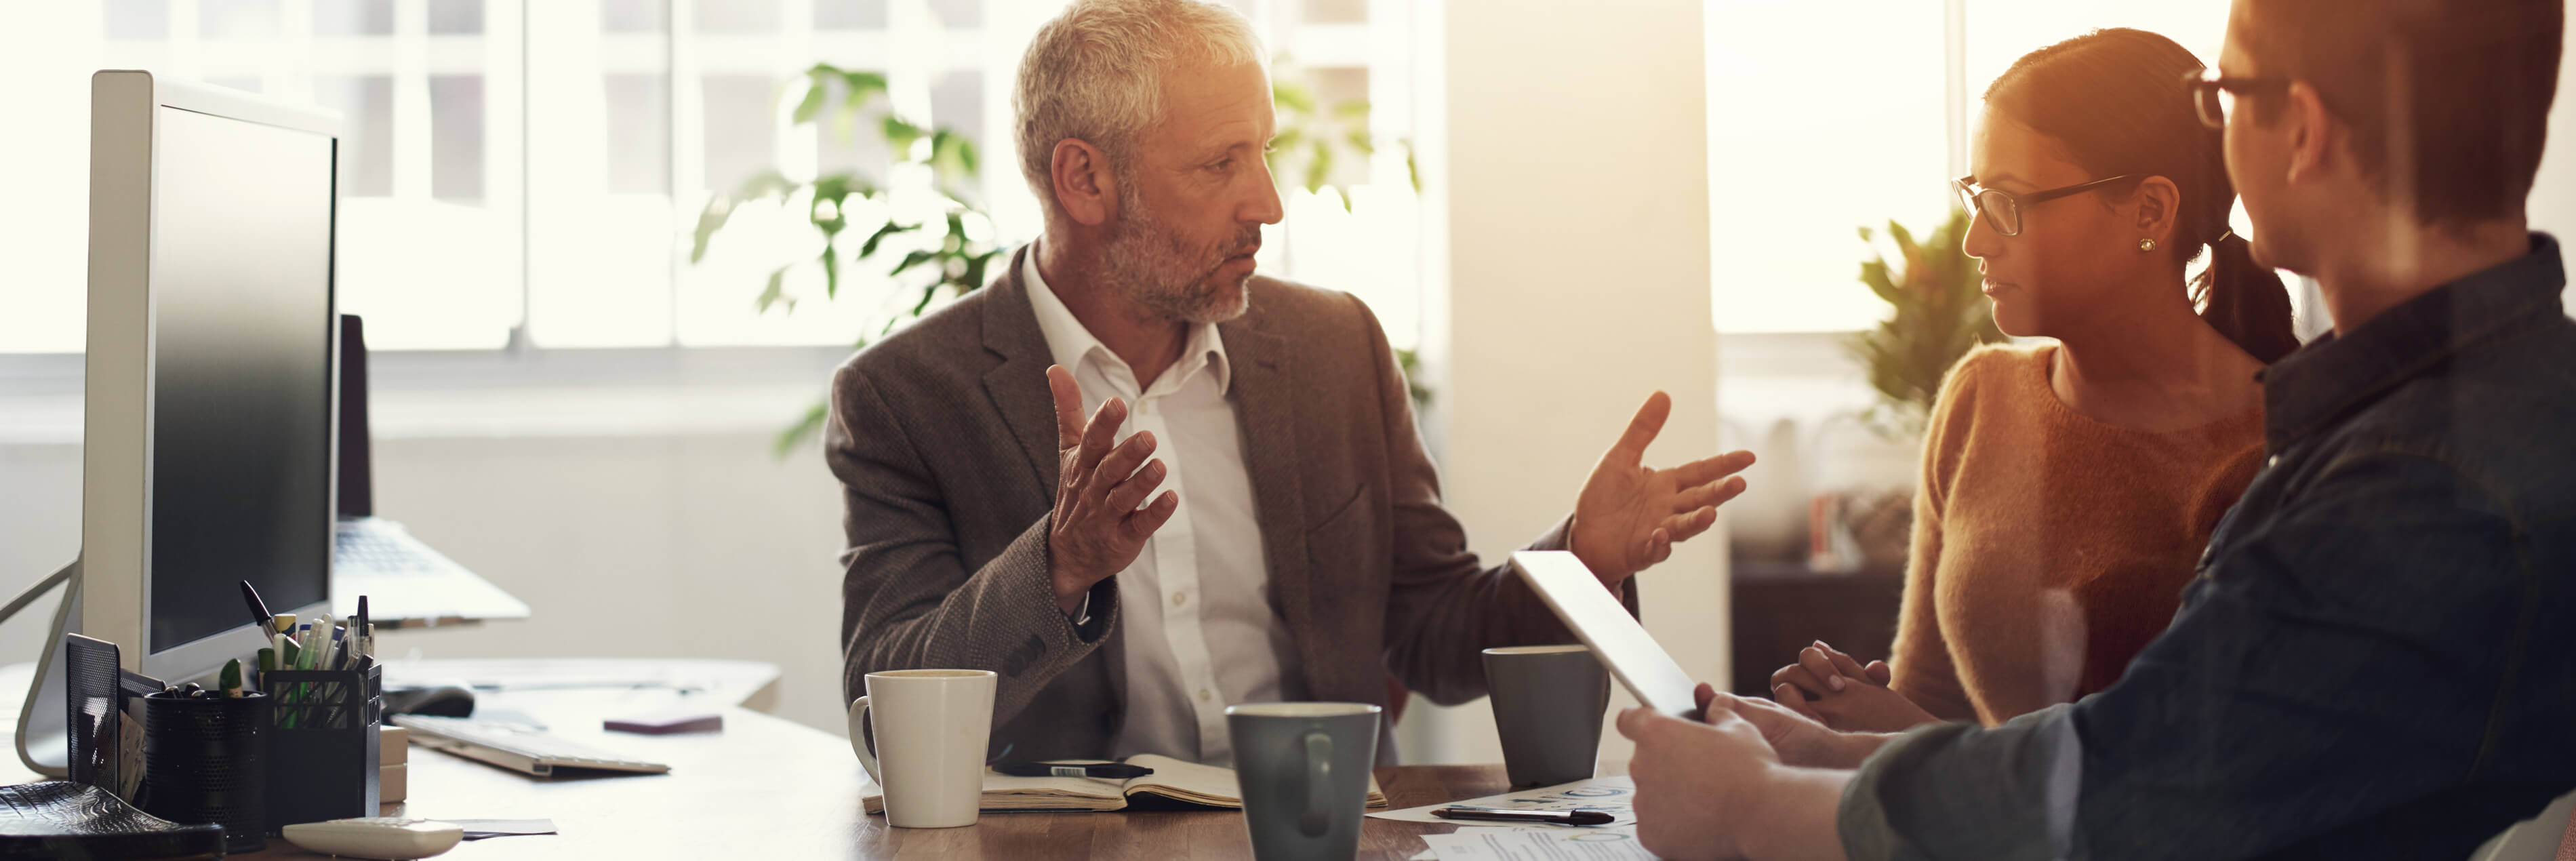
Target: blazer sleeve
[[1445, 606], [908, 601]]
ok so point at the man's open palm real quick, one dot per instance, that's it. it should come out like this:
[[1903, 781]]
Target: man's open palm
[[1629, 516]]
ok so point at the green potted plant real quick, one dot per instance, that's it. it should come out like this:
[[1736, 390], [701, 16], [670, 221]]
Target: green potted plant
[[1939, 314]]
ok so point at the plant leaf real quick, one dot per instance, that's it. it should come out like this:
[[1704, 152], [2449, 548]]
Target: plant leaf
[[710, 219], [1319, 165], [911, 260], [1292, 94], [831, 270], [861, 87], [767, 183], [947, 163], [869, 248], [1904, 240], [1355, 109], [813, 102], [802, 431], [899, 136], [771, 294]]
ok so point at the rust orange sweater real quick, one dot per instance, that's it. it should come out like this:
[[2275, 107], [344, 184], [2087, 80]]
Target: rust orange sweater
[[2049, 548]]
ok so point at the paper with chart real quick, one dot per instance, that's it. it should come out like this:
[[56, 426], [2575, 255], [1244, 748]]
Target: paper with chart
[[1609, 795], [1538, 843]]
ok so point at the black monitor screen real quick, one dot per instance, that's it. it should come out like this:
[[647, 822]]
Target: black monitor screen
[[241, 423]]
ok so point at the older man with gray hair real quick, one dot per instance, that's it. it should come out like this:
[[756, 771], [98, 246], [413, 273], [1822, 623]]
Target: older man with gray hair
[[1297, 548]]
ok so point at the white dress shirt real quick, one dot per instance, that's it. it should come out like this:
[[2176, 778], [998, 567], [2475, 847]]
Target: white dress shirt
[[1200, 629]]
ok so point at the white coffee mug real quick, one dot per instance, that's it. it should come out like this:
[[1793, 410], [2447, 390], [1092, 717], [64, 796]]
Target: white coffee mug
[[931, 730]]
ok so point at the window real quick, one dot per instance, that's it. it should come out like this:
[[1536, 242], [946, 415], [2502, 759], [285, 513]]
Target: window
[[532, 169], [1807, 145], [429, 214]]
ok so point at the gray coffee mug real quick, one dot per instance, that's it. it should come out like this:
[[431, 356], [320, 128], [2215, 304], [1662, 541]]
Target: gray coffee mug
[[1304, 772], [1548, 702]]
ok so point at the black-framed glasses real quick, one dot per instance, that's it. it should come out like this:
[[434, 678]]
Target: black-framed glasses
[[2214, 94], [2002, 209]]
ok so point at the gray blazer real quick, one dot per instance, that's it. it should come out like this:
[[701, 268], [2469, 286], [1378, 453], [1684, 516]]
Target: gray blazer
[[943, 437]]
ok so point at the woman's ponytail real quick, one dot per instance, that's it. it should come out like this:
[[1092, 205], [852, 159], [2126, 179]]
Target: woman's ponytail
[[2245, 300]]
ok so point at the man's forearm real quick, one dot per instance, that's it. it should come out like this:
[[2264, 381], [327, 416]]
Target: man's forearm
[[1796, 819], [1853, 747]]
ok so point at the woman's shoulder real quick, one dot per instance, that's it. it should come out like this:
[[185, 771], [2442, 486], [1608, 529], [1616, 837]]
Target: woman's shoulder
[[1986, 373]]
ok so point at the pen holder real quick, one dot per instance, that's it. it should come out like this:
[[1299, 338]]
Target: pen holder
[[203, 762], [322, 744]]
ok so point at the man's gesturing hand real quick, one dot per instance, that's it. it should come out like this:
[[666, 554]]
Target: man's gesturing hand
[[1097, 529], [1629, 516]]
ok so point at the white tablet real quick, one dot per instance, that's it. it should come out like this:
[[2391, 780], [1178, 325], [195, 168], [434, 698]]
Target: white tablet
[[1614, 636]]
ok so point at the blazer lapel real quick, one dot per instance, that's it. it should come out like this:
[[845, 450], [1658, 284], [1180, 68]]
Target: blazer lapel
[[1266, 411], [1018, 385], [1018, 389]]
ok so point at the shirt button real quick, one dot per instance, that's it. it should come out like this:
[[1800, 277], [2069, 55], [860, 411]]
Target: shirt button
[[1204, 695], [1179, 598]]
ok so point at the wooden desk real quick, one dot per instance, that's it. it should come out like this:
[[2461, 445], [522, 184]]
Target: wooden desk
[[766, 787]]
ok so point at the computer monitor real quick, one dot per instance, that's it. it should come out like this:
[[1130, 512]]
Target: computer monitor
[[208, 446]]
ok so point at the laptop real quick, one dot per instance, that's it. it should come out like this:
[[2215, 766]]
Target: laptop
[[407, 584]]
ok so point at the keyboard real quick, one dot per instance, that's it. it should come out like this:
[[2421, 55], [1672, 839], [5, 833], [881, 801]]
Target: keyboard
[[377, 551], [523, 749]]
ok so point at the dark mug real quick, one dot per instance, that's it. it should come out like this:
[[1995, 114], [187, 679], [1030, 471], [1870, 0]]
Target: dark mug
[[1304, 773], [1548, 703]]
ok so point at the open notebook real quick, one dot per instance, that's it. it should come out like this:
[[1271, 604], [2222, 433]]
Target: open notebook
[[1187, 782]]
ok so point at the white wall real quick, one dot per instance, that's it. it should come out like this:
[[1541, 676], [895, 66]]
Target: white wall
[[659, 543], [2553, 194], [1577, 265]]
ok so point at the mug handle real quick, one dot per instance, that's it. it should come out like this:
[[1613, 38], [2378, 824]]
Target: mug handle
[[859, 740], [1318, 817]]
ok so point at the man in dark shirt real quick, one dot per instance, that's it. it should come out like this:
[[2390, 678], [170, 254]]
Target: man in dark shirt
[[2375, 659]]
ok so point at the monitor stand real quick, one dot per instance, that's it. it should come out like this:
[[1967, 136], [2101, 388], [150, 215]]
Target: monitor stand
[[44, 731]]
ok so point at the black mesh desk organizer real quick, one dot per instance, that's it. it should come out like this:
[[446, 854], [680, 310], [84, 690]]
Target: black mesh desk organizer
[[322, 744]]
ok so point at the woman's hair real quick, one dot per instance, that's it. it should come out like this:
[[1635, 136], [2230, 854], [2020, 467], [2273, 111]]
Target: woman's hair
[[2115, 101]]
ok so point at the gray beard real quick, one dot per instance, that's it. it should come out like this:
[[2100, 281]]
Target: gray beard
[[1150, 266]]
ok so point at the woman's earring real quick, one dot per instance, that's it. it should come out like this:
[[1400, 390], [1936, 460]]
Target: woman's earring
[[2146, 245]]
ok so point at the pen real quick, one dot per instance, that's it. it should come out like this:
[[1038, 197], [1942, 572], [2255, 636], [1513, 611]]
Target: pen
[[259, 614], [317, 641], [1106, 770], [358, 631], [231, 679], [1556, 817]]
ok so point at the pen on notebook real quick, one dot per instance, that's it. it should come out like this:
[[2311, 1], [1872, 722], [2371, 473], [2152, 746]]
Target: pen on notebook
[[1104, 770], [1556, 817], [259, 614]]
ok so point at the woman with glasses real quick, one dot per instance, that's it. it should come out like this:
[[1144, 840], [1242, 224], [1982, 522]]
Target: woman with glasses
[[2068, 489]]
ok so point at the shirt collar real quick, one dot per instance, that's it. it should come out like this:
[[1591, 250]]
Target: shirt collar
[[2309, 390], [1071, 343]]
